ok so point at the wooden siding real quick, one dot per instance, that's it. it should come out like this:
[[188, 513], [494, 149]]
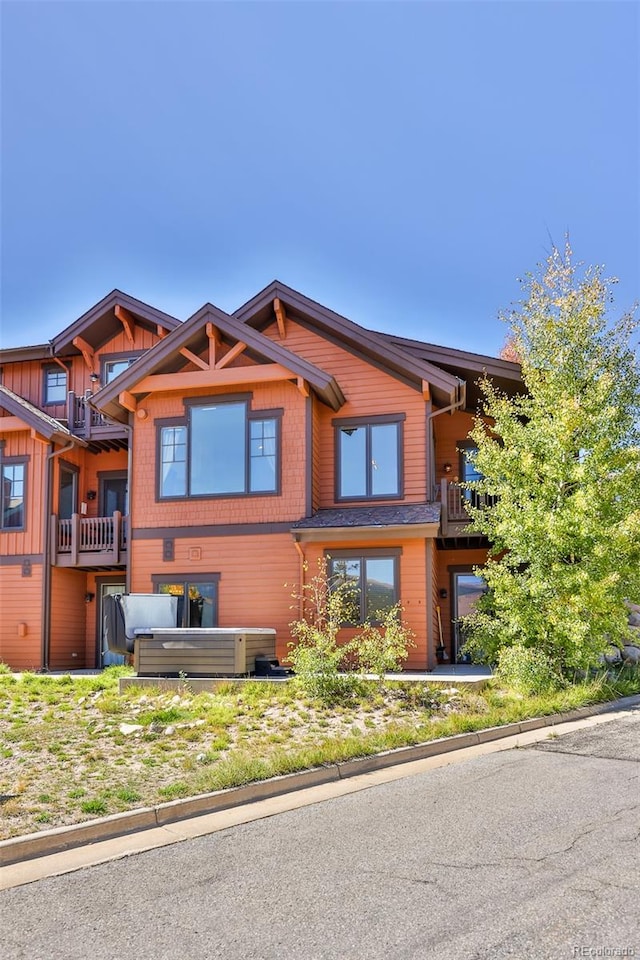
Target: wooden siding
[[29, 540], [67, 647], [26, 378], [289, 505], [368, 391], [412, 588], [21, 601], [256, 576], [449, 431], [259, 574]]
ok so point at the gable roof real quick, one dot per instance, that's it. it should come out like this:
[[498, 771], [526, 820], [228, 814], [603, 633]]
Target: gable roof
[[371, 346], [165, 357], [100, 324], [35, 419], [506, 375]]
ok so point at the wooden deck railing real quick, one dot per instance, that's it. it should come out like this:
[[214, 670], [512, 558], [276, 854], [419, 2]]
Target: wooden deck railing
[[455, 500], [85, 541]]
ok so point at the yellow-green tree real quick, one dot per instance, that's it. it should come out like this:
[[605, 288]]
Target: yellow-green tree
[[561, 466]]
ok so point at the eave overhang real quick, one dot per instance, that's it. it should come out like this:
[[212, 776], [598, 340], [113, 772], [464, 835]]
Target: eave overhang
[[101, 323], [446, 388], [22, 412], [400, 531]]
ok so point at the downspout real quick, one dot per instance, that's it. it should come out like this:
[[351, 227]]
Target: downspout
[[129, 428], [301, 557], [45, 635]]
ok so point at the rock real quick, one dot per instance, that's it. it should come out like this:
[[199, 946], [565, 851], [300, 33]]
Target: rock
[[168, 731], [612, 655], [129, 728], [631, 654], [634, 620]]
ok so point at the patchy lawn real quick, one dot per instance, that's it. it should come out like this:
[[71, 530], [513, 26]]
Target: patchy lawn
[[72, 748]]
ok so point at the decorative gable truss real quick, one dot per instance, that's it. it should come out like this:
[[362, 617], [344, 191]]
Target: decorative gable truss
[[211, 350]]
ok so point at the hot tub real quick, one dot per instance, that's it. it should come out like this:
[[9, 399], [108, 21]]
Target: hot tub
[[201, 651]]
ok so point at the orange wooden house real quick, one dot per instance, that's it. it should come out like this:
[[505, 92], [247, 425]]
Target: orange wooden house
[[216, 457]]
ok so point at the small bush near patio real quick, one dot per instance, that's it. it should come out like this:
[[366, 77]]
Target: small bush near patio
[[324, 666]]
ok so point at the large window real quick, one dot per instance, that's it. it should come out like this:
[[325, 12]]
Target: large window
[[55, 385], [13, 474], [369, 458], [197, 597], [373, 578], [224, 449]]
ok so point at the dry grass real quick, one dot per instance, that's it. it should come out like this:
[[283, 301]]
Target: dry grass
[[72, 748]]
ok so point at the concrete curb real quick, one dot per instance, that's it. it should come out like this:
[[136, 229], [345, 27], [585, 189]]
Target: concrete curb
[[60, 839]]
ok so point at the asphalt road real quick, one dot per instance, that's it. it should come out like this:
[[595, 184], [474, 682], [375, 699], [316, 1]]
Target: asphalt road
[[528, 853]]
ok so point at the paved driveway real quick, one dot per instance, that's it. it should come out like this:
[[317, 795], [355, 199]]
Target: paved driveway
[[526, 853]]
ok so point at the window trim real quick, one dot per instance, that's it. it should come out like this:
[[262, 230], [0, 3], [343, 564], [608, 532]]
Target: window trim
[[340, 423], [273, 413], [372, 553], [158, 579], [11, 462], [160, 424], [46, 370]]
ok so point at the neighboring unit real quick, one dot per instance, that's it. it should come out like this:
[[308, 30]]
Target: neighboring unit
[[218, 459]]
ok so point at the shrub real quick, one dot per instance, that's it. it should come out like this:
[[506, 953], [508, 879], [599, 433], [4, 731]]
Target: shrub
[[383, 648], [527, 670], [315, 654]]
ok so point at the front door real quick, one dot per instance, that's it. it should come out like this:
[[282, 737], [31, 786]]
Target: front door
[[467, 590], [113, 495], [106, 657], [68, 491]]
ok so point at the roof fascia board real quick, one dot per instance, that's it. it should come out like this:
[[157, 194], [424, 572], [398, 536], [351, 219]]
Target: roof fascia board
[[374, 343], [41, 351], [35, 419], [144, 310], [396, 531], [477, 362]]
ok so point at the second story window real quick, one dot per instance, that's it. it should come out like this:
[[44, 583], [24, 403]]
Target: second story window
[[369, 458], [55, 385], [224, 449], [113, 368], [12, 494]]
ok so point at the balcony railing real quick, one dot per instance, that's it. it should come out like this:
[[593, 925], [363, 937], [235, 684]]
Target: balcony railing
[[86, 422], [455, 501], [89, 541]]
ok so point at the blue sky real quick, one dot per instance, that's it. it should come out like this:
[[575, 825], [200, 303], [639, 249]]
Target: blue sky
[[402, 163]]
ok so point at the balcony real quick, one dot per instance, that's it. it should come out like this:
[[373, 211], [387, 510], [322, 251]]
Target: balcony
[[85, 422], [89, 541], [455, 518]]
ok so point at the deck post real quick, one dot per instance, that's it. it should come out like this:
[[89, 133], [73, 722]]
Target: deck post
[[75, 538], [117, 526], [444, 517]]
